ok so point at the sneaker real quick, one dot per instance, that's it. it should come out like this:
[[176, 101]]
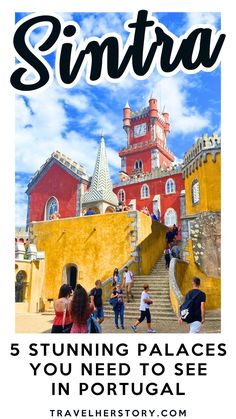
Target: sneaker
[[151, 331], [122, 327], [134, 328], [117, 327]]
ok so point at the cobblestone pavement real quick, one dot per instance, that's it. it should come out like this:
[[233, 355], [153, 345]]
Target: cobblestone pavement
[[42, 323]]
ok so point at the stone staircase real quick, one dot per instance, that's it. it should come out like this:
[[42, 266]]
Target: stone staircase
[[158, 281]]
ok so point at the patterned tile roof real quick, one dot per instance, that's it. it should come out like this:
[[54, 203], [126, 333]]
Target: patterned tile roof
[[101, 185]]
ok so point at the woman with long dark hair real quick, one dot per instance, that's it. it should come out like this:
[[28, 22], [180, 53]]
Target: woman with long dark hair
[[62, 317], [116, 277], [80, 310]]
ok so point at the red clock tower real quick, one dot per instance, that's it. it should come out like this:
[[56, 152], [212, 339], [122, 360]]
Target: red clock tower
[[146, 148], [148, 177]]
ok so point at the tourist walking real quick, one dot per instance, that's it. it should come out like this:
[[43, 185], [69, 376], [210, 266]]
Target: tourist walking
[[128, 283], [81, 309], [169, 236], [119, 308], [116, 277], [62, 319], [175, 231], [167, 254], [175, 250], [96, 297], [145, 302], [193, 309]]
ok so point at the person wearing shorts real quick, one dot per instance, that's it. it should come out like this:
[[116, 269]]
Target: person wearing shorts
[[145, 302], [128, 283]]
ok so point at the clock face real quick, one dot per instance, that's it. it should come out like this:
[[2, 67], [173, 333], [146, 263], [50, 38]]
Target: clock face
[[140, 130]]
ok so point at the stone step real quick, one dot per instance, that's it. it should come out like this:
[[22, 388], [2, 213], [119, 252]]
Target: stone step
[[159, 316], [151, 279], [152, 285], [153, 292], [153, 307]]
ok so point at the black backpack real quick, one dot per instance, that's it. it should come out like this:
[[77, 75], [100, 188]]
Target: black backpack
[[186, 309]]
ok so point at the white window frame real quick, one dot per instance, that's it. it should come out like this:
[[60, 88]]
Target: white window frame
[[145, 188], [174, 220], [195, 189], [121, 191], [170, 180], [47, 206]]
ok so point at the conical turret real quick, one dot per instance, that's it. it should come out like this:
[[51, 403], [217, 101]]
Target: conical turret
[[100, 191]]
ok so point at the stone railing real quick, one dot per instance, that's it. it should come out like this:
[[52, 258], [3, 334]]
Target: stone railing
[[176, 296], [107, 284]]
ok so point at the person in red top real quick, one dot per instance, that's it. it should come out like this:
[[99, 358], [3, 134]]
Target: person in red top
[[80, 309], [62, 309]]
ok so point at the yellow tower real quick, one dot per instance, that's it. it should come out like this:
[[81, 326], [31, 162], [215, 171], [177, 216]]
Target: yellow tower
[[200, 218]]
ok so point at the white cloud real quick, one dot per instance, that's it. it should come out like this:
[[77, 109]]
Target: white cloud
[[21, 203], [202, 18]]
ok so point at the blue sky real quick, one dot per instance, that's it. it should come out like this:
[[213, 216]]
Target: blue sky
[[71, 120]]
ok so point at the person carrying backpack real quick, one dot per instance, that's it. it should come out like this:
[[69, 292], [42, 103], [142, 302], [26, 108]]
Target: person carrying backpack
[[192, 311]]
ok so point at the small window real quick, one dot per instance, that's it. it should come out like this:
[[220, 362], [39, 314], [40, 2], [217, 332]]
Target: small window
[[140, 165], [145, 192], [51, 208], [121, 195], [170, 217], [170, 186], [136, 165], [195, 192]]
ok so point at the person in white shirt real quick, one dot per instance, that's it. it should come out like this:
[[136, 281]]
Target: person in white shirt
[[144, 310], [128, 283]]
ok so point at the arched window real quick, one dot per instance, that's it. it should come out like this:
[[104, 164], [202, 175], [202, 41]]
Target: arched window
[[170, 186], [170, 217], [145, 192], [121, 195], [140, 165], [195, 192], [136, 165], [51, 207]]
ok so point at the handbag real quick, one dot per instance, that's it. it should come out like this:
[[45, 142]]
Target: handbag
[[113, 302]]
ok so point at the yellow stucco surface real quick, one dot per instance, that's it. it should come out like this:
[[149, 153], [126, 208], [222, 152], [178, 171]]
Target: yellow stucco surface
[[210, 285], [95, 245], [151, 238], [209, 178], [34, 274]]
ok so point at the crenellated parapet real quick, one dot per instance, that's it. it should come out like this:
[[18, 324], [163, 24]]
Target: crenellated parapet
[[70, 165], [197, 154], [157, 173], [21, 233], [145, 145]]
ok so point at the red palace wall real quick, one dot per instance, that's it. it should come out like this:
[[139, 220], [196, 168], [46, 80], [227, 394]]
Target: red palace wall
[[56, 182], [156, 187], [145, 156], [163, 159]]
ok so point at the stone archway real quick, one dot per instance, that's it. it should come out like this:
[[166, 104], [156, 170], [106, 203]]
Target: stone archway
[[70, 275], [109, 210], [20, 286]]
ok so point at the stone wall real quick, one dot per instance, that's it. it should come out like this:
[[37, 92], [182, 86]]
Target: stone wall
[[206, 241]]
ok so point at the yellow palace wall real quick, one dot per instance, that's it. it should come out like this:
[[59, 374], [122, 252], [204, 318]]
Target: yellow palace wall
[[209, 177], [96, 245], [210, 285]]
